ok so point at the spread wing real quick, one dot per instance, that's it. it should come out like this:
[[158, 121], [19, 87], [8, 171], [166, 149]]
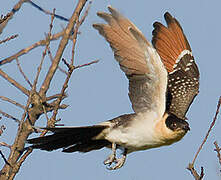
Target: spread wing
[[138, 59], [175, 52]]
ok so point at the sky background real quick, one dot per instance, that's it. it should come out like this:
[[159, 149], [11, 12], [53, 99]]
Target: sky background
[[99, 92]]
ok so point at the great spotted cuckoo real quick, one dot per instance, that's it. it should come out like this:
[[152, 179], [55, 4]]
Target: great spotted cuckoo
[[163, 81]]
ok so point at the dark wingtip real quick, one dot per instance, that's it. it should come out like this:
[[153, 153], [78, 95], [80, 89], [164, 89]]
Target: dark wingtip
[[168, 17]]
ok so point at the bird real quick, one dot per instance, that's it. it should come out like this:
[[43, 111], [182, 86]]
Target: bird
[[163, 82]]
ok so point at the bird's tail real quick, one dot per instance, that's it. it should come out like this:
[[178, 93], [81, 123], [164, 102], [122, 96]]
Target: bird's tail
[[71, 139]]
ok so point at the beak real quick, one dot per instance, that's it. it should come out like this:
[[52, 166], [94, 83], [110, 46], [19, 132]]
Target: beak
[[186, 127]]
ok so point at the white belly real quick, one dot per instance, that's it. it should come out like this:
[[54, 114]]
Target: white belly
[[139, 135]]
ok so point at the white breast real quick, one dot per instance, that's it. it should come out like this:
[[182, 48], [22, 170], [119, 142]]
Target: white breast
[[139, 135]]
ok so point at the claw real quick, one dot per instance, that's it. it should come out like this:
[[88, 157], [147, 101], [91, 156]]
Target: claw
[[118, 162], [112, 157]]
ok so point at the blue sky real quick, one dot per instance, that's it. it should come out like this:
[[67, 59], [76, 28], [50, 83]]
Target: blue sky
[[99, 92]]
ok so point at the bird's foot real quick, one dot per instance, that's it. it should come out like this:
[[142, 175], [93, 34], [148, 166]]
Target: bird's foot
[[113, 160], [118, 163], [110, 159]]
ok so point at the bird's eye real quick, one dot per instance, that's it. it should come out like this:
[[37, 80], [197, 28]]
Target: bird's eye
[[173, 125]]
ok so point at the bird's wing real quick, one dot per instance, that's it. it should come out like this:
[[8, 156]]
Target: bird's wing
[[138, 59], [176, 54]]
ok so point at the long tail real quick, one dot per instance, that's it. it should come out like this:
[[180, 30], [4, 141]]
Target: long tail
[[71, 139]]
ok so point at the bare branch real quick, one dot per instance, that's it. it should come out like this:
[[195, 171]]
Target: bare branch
[[87, 64], [210, 128], [3, 157], [38, 100], [12, 102], [191, 165], [4, 21], [23, 74], [218, 149], [51, 58], [20, 162], [5, 145], [4, 18], [55, 96], [48, 12], [9, 116], [14, 83], [44, 52], [2, 128], [10, 15], [9, 38], [28, 49], [62, 45], [194, 172], [86, 13]]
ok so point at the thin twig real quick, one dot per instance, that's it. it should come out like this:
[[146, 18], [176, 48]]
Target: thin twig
[[87, 64], [43, 57], [48, 47], [9, 116], [9, 38], [48, 12], [2, 129], [10, 15], [3, 157], [210, 128], [86, 13], [4, 18], [71, 68], [75, 32], [44, 52], [29, 48], [5, 145], [191, 165], [23, 74], [55, 97], [218, 149], [62, 45], [51, 58], [14, 83], [12, 102], [194, 172], [15, 158], [22, 159]]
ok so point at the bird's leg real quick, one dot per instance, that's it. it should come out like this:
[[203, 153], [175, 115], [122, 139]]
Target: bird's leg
[[119, 162], [112, 157]]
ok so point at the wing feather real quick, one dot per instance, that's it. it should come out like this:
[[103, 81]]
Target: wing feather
[[138, 59], [175, 52]]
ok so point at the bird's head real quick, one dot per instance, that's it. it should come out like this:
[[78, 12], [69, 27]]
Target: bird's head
[[178, 126]]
